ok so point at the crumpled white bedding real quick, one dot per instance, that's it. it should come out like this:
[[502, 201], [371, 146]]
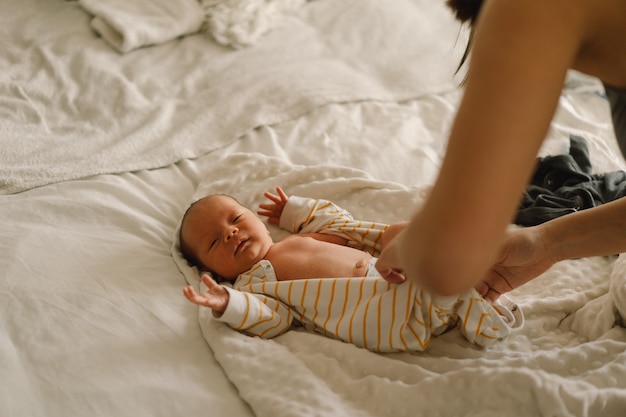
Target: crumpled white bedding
[[94, 322], [240, 24], [74, 107], [92, 319], [127, 25], [130, 24]]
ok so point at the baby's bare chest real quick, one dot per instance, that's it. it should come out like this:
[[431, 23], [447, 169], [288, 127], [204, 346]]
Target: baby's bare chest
[[300, 257]]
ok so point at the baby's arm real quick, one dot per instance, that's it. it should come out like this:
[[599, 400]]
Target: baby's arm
[[254, 314], [216, 297], [325, 220], [274, 211], [307, 215]]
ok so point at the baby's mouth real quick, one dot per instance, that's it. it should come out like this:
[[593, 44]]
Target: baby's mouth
[[240, 245]]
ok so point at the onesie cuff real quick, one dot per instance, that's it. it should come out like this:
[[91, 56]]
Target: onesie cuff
[[235, 310], [289, 216]]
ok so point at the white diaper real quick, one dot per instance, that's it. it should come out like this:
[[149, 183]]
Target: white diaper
[[371, 269]]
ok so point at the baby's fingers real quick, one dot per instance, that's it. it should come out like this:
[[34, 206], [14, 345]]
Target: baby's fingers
[[280, 198], [281, 194], [192, 296], [214, 288], [268, 209], [276, 199], [188, 292], [209, 281]]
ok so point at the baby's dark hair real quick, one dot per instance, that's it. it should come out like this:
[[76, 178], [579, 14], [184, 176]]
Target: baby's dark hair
[[466, 11], [185, 250]]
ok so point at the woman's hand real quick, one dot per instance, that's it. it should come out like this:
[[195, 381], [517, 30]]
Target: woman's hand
[[388, 263], [523, 256], [274, 211]]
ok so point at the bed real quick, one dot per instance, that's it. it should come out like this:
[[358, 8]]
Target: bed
[[115, 114]]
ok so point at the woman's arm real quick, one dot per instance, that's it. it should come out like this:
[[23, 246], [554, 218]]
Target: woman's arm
[[522, 51], [528, 252], [391, 274]]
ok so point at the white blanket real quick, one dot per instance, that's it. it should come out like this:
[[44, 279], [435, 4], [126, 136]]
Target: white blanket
[[546, 368], [130, 24], [241, 24], [72, 107]]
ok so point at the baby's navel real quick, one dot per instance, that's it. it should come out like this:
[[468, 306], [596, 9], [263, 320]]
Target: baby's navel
[[360, 268]]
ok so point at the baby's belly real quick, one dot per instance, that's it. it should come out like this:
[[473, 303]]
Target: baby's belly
[[310, 258], [346, 262]]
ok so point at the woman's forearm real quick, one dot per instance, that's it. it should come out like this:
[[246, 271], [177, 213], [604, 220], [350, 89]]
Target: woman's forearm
[[593, 232]]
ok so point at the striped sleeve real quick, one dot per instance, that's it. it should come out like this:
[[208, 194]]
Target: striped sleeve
[[256, 314], [481, 322], [307, 215]]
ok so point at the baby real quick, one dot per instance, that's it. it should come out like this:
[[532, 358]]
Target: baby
[[221, 236], [322, 277]]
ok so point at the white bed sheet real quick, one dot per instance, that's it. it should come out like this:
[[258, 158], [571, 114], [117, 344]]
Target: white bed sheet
[[92, 319]]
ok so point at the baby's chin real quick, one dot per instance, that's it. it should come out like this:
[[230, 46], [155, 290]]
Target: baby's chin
[[245, 260], [254, 253]]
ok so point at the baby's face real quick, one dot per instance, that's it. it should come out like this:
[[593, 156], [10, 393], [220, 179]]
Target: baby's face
[[225, 236]]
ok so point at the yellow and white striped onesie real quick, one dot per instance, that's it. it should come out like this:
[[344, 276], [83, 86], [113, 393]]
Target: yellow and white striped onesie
[[366, 311]]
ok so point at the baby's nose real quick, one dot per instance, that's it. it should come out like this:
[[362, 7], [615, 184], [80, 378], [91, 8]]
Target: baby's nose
[[230, 233]]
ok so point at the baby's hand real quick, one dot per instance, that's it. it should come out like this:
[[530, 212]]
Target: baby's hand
[[216, 297], [274, 211]]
